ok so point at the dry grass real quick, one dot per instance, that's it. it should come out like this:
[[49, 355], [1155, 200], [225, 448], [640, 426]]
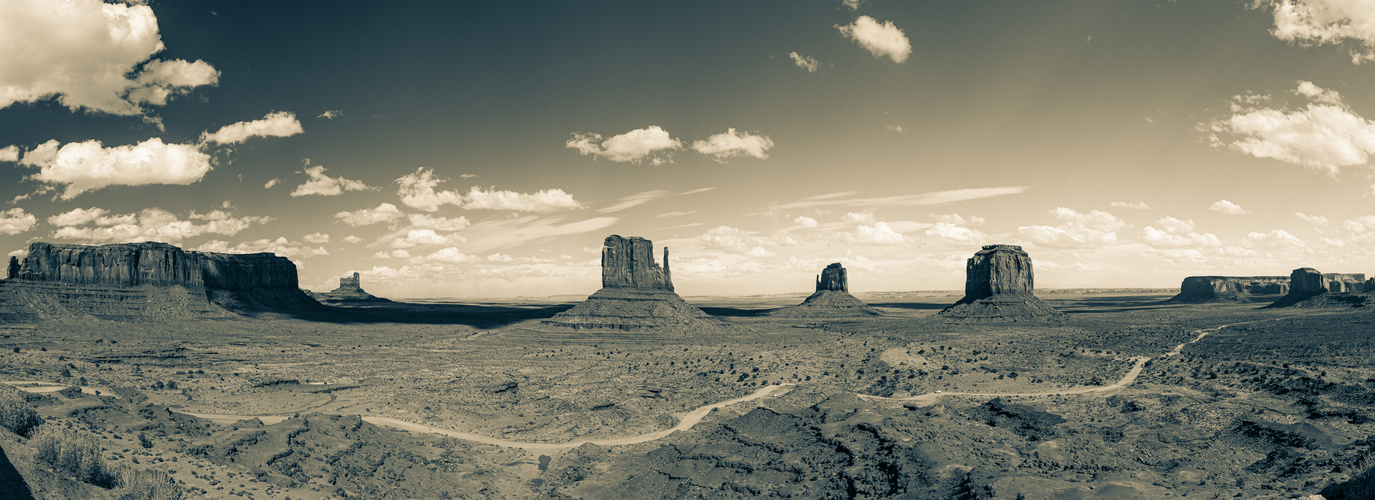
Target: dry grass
[[149, 485], [72, 453], [15, 412]]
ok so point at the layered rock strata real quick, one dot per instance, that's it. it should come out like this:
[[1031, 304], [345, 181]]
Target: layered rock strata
[[239, 282], [1310, 288], [637, 294], [831, 299], [998, 285], [350, 291], [1201, 289]]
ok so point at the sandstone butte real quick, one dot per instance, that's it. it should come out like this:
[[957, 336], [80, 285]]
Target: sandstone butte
[[636, 294], [1310, 288], [831, 299], [998, 285], [1201, 289]]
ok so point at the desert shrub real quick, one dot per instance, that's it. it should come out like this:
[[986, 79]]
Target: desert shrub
[[15, 412], [70, 391], [72, 453], [1360, 486], [148, 485]]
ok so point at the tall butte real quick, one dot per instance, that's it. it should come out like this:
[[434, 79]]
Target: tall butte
[[637, 294], [998, 285], [831, 299]]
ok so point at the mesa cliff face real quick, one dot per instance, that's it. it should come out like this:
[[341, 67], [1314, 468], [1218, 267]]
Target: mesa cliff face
[[832, 299], [833, 278], [998, 285], [1197, 289], [629, 263], [636, 294], [1310, 288]]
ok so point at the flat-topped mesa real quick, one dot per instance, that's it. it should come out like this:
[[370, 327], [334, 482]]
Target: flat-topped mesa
[[151, 263], [998, 285], [1307, 284], [1197, 289], [349, 285], [833, 278], [629, 263]]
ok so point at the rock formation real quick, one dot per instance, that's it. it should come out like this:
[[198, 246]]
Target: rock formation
[[1310, 288], [998, 285], [833, 278], [1369, 286], [349, 292], [1201, 289], [831, 299], [14, 268], [636, 294], [240, 282]]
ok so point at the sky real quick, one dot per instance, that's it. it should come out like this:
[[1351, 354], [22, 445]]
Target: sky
[[466, 149]]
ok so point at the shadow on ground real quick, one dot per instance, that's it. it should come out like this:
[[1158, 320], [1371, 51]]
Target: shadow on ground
[[484, 315]]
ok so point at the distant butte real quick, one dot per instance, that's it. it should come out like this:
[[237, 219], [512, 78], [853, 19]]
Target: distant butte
[[1309, 288], [349, 292], [1204, 289], [636, 294], [998, 285], [831, 299]]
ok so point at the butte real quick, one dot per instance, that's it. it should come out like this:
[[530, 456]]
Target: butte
[[636, 294], [998, 285], [831, 299]]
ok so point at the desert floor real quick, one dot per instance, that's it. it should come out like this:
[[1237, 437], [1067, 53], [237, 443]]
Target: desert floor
[[1127, 397]]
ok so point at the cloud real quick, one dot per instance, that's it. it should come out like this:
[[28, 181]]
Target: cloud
[[632, 146], [894, 128], [852, 4], [9, 153], [1324, 135], [808, 63], [1325, 22], [880, 39], [331, 114], [386, 212], [275, 124], [281, 246], [352, 239], [417, 190], [955, 233], [321, 184], [859, 217], [90, 54], [422, 221], [732, 144], [696, 191], [1177, 233], [877, 234], [150, 224], [447, 255], [634, 200], [676, 214], [1277, 238], [843, 199], [1316, 220], [271, 182], [806, 222], [316, 238], [15, 221], [1140, 205], [412, 238], [496, 234], [1227, 207], [87, 166], [956, 219], [1094, 228]]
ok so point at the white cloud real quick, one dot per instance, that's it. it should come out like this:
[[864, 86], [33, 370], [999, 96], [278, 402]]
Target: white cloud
[[894, 128], [1277, 238], [843, 199], [859, 217], [1362, 224], [352, 239], [499, 233], [270, 183], [760, 252], [321, 184], [422, 221], [1316, 220], [87, 166], [1324, 135], [447, 255], [15, 221], [1094, 228], [316, 238], [632, 146], [499, 257], [1227, 207], [1140, 205], [77, 216], [957, 219], [150, 224], [1177, 233], [676, 213], [1326, 22], [331, 114], [417, 190], [90, 54], [412, 238], [880, 39], [806, 222], [9, 153], [634, 200], [394, 254], [955, 233], [878, 234], [732, 144], [808, 63], [281, 246], [386, 212], [852, 4], [275, 124]]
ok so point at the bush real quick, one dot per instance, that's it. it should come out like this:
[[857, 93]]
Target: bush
[[1360, 486], [70, 392], [15, 412], [72, 453], [149, 485]]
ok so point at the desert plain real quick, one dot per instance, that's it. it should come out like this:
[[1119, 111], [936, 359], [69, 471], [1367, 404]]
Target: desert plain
[[1126, 396]]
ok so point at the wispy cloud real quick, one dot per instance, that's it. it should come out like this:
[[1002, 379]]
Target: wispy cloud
[[842, 199], [634, 200]]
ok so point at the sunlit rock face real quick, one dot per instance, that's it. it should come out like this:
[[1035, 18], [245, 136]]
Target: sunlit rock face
[[629, 263], [151, 263], [833, 278], [1197, 289], [998, 285]]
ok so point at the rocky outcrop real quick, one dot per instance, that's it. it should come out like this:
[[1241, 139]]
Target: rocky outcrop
[[629, 263], [1369, 286], [349, 284], [637, 295], [1202, 289], [238, 282], [349, 292], [998, 285], [832, 299], [14, 268], [833, 278], [1309, 288]]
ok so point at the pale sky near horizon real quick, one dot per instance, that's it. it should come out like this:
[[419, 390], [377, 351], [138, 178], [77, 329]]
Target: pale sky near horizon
[[449, 149]]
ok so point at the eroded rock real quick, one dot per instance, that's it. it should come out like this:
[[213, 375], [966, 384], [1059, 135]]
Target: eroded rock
[[629, 263], [998, 285], [832, 299], [833, 278], [1199, 289], [636, 294], [1309, 288]]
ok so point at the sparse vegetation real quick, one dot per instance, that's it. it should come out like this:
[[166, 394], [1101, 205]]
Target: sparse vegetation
[[15, 412], [149, 485], [72, 453]]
